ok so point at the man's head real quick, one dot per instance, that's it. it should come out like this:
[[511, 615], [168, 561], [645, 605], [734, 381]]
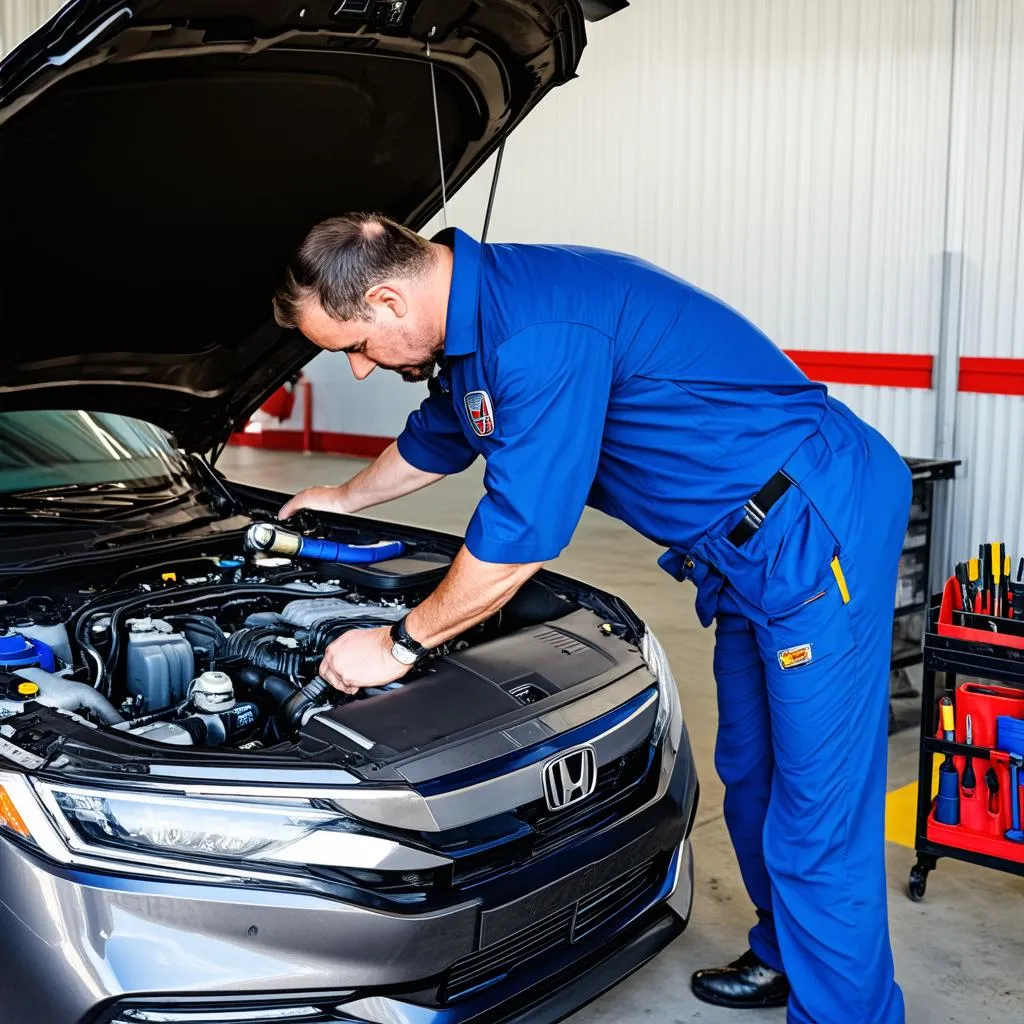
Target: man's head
[[366, 286]]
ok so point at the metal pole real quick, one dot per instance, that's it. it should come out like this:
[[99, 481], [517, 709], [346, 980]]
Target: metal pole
[[307, 416]]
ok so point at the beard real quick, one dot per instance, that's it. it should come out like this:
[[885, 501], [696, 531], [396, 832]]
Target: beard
[[416, 373]]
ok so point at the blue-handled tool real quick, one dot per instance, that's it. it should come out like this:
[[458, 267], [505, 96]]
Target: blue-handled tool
[[1010, 739], [264, 537]]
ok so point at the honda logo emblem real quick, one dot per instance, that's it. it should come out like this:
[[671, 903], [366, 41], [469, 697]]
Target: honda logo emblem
[[570, 778]]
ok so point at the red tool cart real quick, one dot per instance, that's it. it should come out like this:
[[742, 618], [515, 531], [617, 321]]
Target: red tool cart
[[974, 679]]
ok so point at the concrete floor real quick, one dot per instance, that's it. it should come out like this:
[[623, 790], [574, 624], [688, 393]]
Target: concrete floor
[[959, 954]]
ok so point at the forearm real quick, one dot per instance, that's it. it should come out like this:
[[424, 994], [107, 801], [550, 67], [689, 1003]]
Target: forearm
[[389, 476], [471, 592]]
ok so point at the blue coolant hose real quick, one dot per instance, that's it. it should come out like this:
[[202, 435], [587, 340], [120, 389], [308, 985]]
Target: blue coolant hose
[[264, 537]]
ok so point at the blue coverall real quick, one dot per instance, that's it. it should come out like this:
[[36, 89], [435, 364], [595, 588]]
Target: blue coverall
[[587, 377]]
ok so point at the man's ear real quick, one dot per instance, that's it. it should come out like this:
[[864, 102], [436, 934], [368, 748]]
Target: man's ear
[[390, 298]]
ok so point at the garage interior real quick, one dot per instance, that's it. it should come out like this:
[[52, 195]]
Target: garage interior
[[850, 175]]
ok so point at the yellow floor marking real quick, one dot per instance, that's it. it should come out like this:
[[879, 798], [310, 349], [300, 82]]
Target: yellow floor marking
[[901, 810]]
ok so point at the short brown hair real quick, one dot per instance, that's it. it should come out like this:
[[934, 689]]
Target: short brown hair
[[341, 259]]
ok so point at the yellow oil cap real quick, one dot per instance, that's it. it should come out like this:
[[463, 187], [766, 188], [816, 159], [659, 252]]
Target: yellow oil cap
[[28, 689], [169, 577]]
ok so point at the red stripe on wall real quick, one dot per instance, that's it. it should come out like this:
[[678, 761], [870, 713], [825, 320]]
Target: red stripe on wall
[[989, 376], [360, 445], [881, 369], [978, 374]]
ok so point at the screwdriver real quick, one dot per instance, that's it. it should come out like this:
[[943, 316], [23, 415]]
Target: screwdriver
[[973, 576], [985, 557], [968, 782], [948, 720], [997, 576], [947, 804], [1007, 607], [961, 577]]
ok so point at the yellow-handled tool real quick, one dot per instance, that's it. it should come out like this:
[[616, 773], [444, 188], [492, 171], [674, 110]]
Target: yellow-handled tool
[[997, 576], [973, 575], [948, 719]]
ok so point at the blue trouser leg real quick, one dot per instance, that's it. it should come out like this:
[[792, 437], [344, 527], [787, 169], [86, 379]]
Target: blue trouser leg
[[826, 719], [824, 830], [744, 761]]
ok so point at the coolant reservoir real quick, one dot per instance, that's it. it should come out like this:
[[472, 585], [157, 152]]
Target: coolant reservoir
[[212, 692], [55, 637], [160, 663], [19, 651], [14, 694]]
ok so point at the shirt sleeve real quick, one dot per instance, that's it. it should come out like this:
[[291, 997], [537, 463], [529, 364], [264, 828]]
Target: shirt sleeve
[[432, 440], [551, 385]]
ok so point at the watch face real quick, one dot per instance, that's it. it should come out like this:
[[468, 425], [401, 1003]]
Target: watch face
[[403, 655]]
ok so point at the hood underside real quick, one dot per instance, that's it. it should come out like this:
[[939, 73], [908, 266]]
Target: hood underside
[[164, 160]]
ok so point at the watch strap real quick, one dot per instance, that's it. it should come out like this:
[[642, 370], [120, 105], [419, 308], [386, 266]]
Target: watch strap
[[400, 635]]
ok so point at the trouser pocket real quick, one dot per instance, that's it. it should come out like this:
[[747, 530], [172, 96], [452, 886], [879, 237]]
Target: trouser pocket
[[789, 562]]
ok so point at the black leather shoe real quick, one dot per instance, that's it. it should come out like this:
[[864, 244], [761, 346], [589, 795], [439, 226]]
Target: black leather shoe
[[747, 983]]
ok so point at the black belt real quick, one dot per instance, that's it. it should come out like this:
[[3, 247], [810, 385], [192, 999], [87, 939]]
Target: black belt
[[758, 507]]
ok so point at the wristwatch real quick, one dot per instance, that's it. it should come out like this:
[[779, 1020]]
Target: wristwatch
[[404, 649]]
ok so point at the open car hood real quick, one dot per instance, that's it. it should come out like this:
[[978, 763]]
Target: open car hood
[[165, 157]]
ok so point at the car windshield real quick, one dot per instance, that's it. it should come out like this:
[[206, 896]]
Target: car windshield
[[65, 448]]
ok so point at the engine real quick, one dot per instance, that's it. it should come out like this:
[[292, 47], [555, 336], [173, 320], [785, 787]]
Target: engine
[[225, 669], [210, 651], [223, 650]]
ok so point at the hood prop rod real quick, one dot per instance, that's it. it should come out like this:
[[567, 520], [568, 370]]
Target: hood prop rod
[[494, 189], [437, 126]]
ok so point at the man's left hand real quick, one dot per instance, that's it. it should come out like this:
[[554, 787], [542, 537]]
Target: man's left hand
[[359, 659]]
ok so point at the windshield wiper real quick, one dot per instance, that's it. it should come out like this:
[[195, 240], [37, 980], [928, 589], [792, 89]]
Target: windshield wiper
[[113, 505], [17, 517]]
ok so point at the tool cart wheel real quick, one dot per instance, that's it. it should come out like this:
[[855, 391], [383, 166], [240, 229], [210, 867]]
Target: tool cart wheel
[[917, 884]]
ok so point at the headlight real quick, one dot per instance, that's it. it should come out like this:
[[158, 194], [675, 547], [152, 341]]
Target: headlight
[[298, 1014], [669, 708], [206, 828], [147, 826]]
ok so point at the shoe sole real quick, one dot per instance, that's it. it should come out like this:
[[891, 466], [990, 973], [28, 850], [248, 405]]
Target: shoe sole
[[737, 1004]]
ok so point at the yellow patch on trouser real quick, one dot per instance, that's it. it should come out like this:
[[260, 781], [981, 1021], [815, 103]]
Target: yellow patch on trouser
[[794, 657], [837, 571]]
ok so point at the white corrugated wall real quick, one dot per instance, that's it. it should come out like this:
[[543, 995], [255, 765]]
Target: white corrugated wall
[[987, 231], [789, 157], [810, 161], [20, 17]]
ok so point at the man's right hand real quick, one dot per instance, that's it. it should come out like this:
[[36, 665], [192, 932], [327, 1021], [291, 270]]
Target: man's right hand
[[317, 499]]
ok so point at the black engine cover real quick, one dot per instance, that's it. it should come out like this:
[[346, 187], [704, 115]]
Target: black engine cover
[[534, 667]]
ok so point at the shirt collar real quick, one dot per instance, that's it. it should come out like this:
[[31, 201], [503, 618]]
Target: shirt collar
[[461, 332]]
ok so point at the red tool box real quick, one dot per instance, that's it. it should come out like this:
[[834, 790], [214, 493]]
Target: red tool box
[[982, 672]]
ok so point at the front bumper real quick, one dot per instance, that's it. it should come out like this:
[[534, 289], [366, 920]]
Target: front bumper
[[93, 949]]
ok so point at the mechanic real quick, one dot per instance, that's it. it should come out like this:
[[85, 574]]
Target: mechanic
[[586, 377]]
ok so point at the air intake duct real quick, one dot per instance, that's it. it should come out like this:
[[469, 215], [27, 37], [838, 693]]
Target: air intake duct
[[267, 538]]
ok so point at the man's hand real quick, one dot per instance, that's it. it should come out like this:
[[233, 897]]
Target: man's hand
[[470, 592], [361, 658], [389, 476], [318, 499]]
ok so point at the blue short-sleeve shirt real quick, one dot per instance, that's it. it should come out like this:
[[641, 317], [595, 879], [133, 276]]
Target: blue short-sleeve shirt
[[587, 377]]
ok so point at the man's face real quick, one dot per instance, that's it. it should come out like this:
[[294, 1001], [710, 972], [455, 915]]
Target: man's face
[[394, 338]]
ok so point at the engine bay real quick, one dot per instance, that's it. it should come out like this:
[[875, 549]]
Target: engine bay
[[218, 652]]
